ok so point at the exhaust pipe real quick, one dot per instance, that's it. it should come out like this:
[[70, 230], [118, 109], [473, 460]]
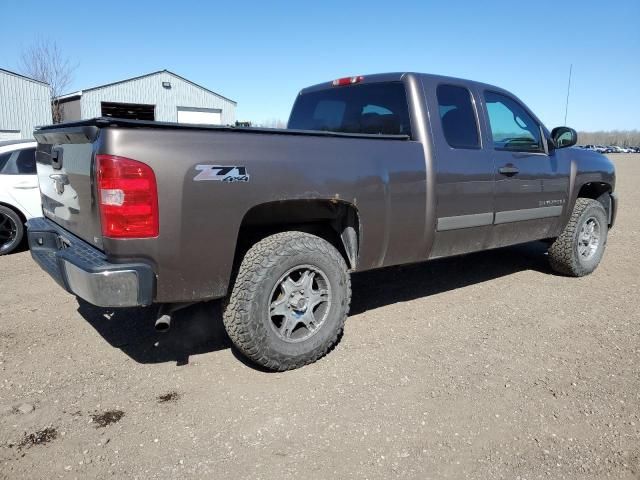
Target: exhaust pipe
[[163, 323], [165, 312]]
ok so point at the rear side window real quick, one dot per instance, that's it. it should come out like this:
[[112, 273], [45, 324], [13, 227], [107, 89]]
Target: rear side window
[[512, 128], [19, 162], [376, 108], [26, 161], [459, 123]]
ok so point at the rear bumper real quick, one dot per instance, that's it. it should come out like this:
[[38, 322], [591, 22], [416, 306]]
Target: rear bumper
[[85, 272]]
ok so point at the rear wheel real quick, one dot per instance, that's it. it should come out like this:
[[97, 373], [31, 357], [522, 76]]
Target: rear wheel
[[289, 301], [580, 247], [11, 230]]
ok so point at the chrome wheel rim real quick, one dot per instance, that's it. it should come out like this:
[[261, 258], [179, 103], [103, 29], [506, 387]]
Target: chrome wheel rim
[[589, 238], [8, 231], [299, 303]]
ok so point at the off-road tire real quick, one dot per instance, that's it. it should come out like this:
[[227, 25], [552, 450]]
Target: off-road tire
[[246, 314], [8, 215], [563, 253]]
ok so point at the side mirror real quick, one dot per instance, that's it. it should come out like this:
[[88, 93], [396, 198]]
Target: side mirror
[[564, 137]]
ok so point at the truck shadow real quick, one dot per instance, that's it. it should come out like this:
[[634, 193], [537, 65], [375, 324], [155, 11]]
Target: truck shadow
[[199, 329], [378, 288], [194, 330]]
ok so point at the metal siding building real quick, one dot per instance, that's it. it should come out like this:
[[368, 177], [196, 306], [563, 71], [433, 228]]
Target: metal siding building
[[170, 98], [24, 104]]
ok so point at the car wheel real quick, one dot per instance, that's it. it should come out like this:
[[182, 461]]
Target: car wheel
[[289, 301], [11, 230], [580, 247]]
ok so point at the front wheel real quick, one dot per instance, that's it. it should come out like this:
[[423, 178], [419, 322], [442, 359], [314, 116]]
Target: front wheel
[[289, 302], [580, 247]]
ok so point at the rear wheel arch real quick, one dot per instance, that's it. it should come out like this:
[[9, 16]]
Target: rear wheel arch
[[335, 221]]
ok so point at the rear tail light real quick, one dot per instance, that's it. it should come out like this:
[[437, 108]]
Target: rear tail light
[[128, 198], [341, 82]]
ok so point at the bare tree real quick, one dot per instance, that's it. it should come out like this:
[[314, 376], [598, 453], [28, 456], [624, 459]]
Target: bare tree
[[44, 61]]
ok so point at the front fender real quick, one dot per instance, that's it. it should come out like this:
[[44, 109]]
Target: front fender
[[591, 175]]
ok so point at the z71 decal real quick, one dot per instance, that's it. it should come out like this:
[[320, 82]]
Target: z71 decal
[[221, 173]]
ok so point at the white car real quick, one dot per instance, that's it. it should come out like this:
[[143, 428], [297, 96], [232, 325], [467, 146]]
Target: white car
[[19, 193]]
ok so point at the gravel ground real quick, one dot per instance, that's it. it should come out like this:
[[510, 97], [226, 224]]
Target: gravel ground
[[483, 366]]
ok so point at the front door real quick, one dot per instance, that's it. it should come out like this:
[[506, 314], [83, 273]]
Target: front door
[[532, 183]]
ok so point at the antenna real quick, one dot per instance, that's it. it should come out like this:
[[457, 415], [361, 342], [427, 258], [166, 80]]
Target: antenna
[[566, 107]]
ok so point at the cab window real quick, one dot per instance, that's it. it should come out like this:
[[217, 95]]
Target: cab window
[[374, 108], [458, 117], [512, 128]]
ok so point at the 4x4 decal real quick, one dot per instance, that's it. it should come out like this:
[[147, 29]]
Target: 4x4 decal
[[221, 173]]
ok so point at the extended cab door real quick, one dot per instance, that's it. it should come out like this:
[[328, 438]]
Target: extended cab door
[[465, 171], [532, 184]]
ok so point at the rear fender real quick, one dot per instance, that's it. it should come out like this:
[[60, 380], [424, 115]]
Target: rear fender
[[336, 221]]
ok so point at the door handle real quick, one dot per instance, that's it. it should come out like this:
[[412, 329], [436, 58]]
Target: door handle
[[509, 170]]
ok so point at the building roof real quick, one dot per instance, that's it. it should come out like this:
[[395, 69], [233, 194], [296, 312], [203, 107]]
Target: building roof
[[79, 93], [23, 76]]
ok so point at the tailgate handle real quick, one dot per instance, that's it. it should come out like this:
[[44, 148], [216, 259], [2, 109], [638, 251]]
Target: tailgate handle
[[56, 157]]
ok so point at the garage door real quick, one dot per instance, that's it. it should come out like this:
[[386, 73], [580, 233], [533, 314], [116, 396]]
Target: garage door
[[9, 135], [201, 116]]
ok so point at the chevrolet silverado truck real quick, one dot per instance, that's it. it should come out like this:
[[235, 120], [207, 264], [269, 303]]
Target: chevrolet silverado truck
[[372, 171]]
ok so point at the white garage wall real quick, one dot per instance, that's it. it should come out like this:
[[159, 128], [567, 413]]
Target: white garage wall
[[149, 90]]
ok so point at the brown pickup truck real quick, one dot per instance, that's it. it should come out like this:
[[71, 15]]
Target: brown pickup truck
[[372, 171]]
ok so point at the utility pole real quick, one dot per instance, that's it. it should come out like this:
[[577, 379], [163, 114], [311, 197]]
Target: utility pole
[[566, 107]]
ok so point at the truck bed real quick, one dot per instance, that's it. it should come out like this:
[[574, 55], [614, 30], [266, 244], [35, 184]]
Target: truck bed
[[199, 221]]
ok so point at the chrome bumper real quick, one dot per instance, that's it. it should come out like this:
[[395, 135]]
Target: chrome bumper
[[85, 272]]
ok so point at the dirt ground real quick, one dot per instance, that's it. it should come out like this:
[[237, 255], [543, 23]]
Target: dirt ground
[[484, 366]]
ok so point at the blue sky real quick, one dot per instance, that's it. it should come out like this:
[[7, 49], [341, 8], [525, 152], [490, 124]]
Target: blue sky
[[261, 53]]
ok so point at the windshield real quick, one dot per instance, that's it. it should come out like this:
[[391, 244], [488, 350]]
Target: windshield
[[376, 108]]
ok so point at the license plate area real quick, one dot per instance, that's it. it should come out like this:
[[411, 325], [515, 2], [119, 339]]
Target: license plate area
[[45, 241]]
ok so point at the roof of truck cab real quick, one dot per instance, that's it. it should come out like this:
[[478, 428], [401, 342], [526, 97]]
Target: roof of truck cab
[[397, 77], [400, 76]]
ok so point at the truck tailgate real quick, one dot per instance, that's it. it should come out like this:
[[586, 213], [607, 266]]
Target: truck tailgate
[[64, 160]]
